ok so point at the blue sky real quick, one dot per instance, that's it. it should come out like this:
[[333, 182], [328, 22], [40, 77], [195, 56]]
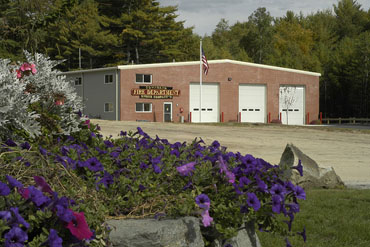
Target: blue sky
[[205, 14]]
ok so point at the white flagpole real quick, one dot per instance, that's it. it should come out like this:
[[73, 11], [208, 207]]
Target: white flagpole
[[200, 82]]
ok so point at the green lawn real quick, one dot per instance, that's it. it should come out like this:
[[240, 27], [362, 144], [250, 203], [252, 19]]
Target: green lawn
[[333, 218]]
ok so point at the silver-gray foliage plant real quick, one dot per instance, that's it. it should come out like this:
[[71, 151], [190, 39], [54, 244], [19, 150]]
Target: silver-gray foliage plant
[[15, 99]]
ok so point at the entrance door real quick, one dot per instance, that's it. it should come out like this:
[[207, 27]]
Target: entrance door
[[167, 111]]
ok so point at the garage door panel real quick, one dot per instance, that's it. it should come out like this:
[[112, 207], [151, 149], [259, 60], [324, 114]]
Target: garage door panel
[[252, 103], [295, 114], [210, 102]]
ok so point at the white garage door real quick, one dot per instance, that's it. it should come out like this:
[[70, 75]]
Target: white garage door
[[252, 103], [210, 102], [291, 104]]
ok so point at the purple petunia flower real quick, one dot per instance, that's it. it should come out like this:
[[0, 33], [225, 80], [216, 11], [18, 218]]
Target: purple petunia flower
[[303, 234], [42, 151], [13, 182], [4, 189], [143, 165], [243, 181], [54, 240], [206, 219], [253, 201], [175, 152], [187, 169], [189, 185], [94, 164], [10, 143], [299, 168], [203, 201], [17, 219], [276, 204], [108, 144], [215, 144], [101, 152], [288, 244], [15, 237], [262, 186], [37, 197], [300, 193], [26, 146], [64, 213], [156, 169], [278, 189], [5, 215], [106, 180]]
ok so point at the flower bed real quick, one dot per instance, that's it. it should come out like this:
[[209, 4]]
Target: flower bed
[[131, 176]]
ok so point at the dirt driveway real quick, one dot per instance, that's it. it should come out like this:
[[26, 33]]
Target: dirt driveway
[[347, 151]]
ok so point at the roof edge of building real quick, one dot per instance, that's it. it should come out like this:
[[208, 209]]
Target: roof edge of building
[[171, 64]]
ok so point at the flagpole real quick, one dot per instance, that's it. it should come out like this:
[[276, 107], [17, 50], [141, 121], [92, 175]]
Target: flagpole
[[200, 81]]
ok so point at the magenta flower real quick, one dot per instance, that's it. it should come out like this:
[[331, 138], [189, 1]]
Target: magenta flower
[[206, 219], [42, 185], [79, 227], [187, 169]]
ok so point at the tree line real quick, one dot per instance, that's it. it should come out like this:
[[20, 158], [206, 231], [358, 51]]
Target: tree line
[[334, 42]]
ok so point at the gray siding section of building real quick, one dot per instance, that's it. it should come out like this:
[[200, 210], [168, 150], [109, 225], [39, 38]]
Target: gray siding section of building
[[96, 93]]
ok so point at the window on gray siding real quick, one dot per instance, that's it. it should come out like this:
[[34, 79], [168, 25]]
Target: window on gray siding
[[108, 107], [108, 79], [143, 107], [144, 78], [78, 81]]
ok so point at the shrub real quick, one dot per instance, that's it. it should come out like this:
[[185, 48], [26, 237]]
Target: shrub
[[35, 100]]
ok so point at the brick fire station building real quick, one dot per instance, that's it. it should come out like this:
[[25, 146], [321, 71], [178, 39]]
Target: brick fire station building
[[233, 91]]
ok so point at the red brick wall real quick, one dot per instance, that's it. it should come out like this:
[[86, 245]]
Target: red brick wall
[[179, 77]]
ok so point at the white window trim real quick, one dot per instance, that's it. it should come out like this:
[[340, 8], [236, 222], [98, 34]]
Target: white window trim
[[151, 107], [151, 79], [108, 82], [78, 85], [112, 106]]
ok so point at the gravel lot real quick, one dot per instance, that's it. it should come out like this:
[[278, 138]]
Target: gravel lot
[[348, 151]]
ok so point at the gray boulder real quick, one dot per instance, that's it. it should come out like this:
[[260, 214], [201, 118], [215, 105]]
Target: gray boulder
[[314, 176], [246, 238], [182, 232]]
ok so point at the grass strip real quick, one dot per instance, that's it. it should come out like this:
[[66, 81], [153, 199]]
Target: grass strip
[[333, 218]]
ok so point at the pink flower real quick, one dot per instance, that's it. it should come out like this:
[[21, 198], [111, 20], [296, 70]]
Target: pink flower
[[87, 122], [79, 227], [28, 67], [206, 219], [33, 69], [19, 74], [59, 102], [186, 169]]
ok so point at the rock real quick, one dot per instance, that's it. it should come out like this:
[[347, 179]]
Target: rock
[[314, 176], [182, 232], [246, 238]]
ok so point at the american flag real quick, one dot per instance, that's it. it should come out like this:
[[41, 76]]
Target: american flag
[[205, 63]]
